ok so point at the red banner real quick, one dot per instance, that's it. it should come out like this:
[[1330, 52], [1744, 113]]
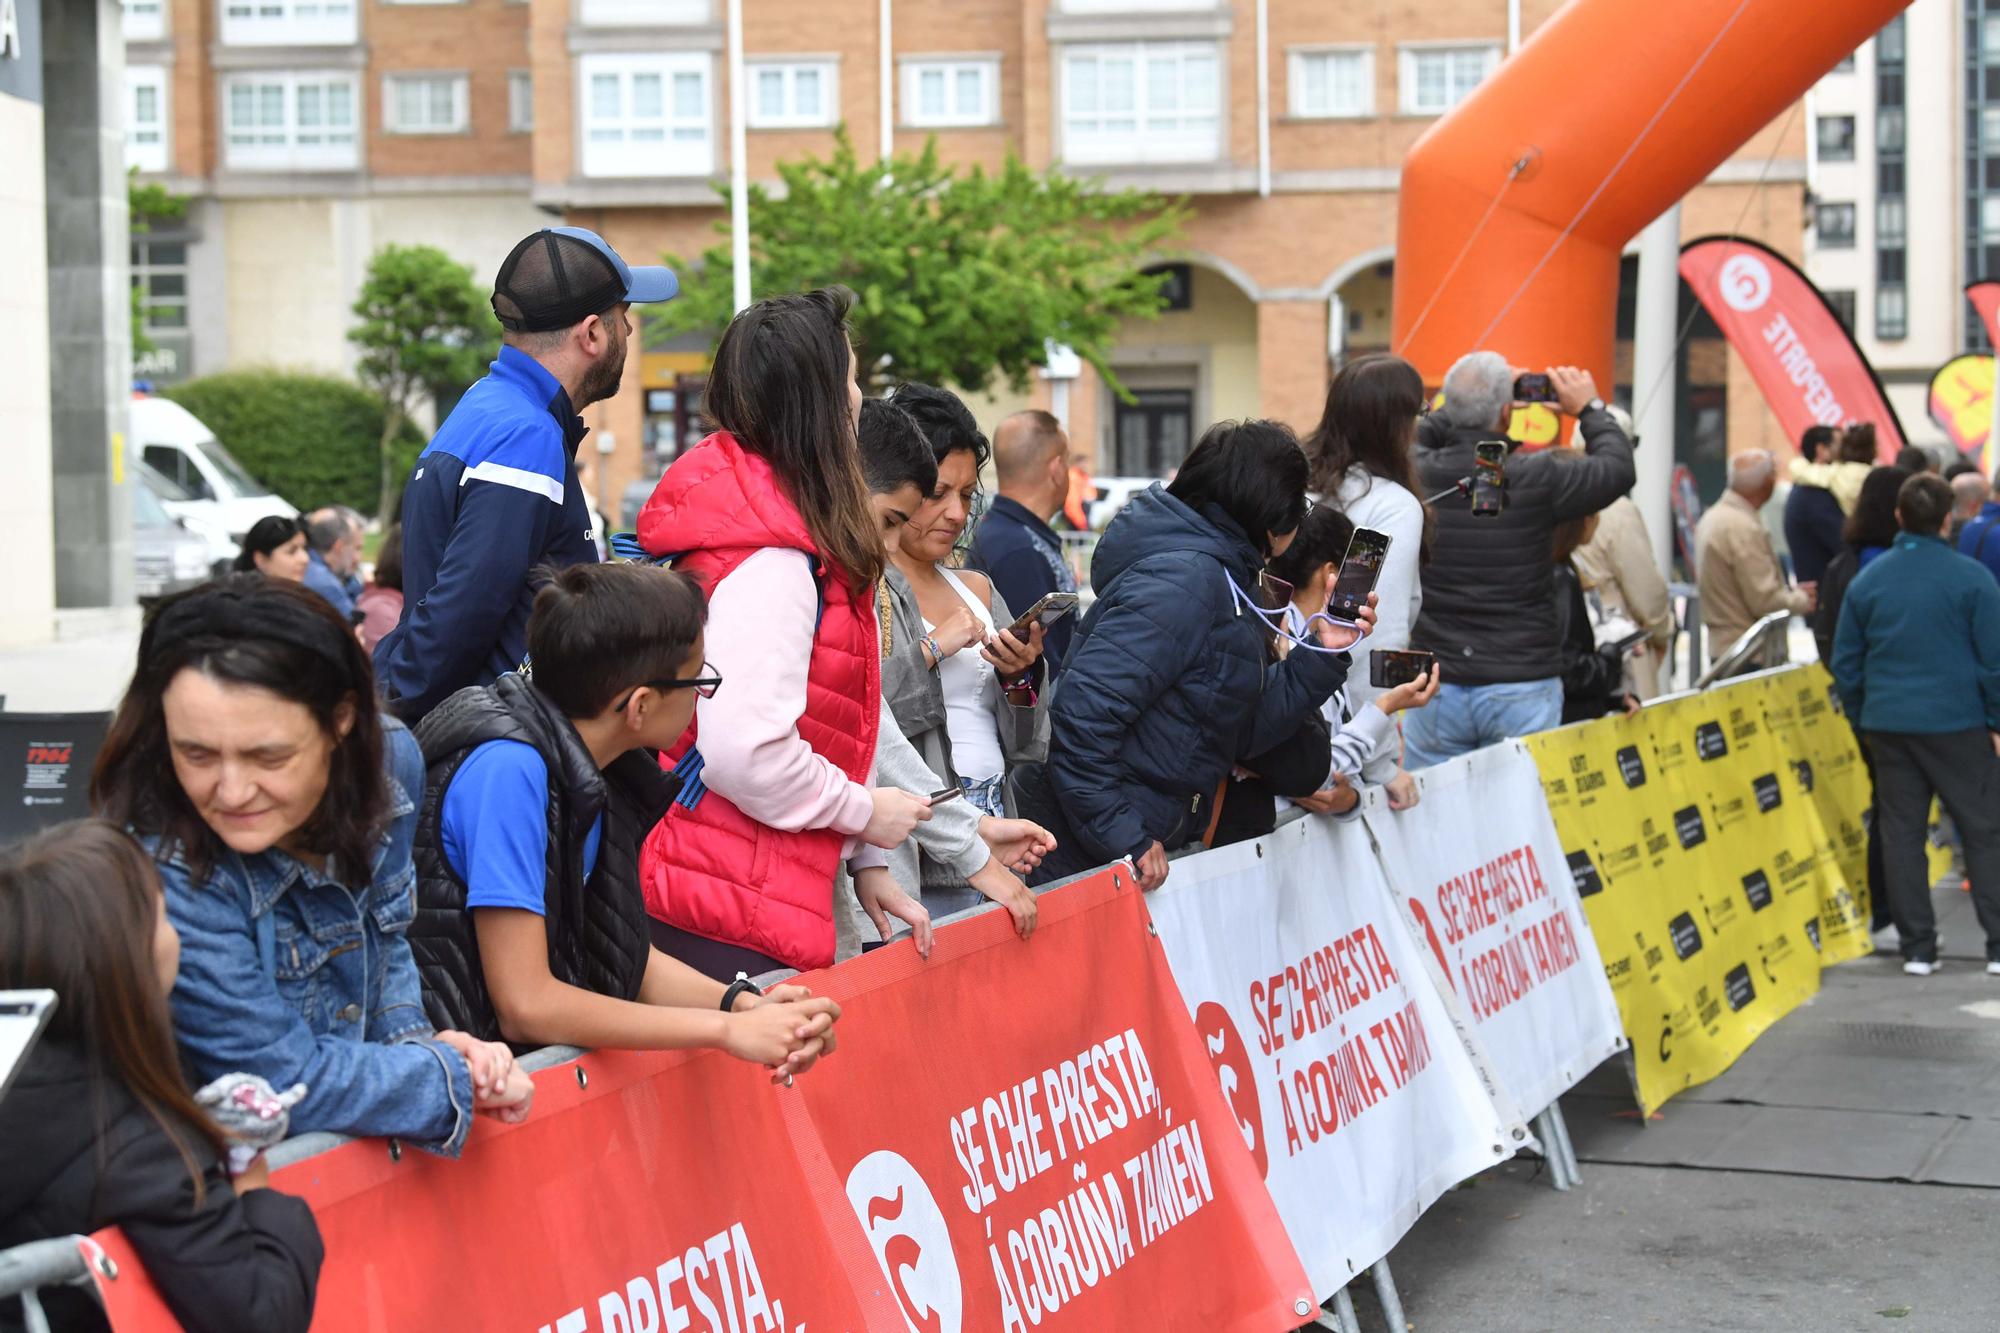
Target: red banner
[[1024, 1136], [1801, 355], [1985, 297]]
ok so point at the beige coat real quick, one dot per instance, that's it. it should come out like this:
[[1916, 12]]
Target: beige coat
[[1739, 575], [1617, 562]]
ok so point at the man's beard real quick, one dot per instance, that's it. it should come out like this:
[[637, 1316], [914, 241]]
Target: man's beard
[[601, 380]]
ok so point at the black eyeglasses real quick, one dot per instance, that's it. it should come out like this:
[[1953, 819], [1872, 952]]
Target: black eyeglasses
[[705, 685]]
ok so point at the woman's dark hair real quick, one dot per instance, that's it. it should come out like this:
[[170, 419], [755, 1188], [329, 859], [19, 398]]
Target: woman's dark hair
[[1322, 539], [945, 421], [598, 631], [1370, 421], [1873, 522], [79, 904], [389, 560], [270, 635], [780, 386], [1254, 471], [894, 451], [266, 535], [1857, 444]]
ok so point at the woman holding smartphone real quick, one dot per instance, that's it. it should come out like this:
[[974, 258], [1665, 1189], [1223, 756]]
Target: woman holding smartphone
[[964, 689], [771, 516], [1362, 463]]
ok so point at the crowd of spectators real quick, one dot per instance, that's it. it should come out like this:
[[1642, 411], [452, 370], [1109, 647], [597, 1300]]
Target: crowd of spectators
[[368, 842]]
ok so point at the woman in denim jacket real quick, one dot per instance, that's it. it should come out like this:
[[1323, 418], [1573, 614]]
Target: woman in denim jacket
[[251, 760]]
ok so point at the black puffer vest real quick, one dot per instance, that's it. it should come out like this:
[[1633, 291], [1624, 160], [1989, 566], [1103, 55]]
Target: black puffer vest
[[598, 936]]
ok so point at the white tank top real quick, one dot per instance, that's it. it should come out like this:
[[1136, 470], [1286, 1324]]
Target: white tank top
[[971, 699]]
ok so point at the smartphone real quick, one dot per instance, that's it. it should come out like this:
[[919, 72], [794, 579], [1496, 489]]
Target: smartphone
[[1359, 569], [943, 794], [1048, 610], [1534, 389], [1390, 667], [1489, 478], [23, 1015]]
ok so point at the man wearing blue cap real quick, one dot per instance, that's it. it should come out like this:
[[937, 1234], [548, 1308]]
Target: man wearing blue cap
[[495, 496]]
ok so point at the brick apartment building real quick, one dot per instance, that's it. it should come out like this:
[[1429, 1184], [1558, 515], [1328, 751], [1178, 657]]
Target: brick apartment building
[[312, 131]]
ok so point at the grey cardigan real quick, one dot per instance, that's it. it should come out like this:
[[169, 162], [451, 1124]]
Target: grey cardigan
[[917, 698]]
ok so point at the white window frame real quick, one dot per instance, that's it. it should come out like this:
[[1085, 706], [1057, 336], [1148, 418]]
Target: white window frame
[[141, 152], [1299, 57], [987, 68], [460, 94], [643, 13], [290, 22], [1149, 139], [787, 71], [148, 25], [143, 272], [1407, 82], [520, 101], [340, 152], [646, 145]]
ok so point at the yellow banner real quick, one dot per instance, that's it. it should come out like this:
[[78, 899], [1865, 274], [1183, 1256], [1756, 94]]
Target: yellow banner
[[1713, 838]]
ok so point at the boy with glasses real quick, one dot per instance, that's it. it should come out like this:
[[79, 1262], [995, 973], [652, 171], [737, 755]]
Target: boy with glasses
[[531, 924]]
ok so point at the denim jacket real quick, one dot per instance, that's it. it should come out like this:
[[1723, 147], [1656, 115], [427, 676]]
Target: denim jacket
[[303, 978]]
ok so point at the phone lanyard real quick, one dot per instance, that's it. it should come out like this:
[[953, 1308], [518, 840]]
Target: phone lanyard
[[1275, 621]]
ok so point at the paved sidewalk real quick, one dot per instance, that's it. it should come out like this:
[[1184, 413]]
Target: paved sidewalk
[[86, 673], [1776, 1197]]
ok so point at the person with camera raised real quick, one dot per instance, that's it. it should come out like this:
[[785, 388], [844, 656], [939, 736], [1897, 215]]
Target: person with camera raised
[[1489, 591]]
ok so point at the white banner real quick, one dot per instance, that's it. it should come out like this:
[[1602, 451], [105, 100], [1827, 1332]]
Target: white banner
[[1338, 1056], [1483, 881]]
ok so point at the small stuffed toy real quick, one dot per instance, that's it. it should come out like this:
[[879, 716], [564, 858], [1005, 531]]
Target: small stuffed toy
[[251, 1113]]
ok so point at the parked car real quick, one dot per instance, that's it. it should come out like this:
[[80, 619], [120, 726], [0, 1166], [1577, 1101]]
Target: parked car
[[223, 499], [1112, 495], [166, 557]]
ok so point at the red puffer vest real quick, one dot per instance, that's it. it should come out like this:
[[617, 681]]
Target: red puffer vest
[[712, 869]]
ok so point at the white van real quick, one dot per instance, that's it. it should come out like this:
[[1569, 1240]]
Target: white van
[[222, 500]]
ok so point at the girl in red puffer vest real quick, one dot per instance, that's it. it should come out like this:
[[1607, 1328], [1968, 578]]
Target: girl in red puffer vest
[[771, 515]]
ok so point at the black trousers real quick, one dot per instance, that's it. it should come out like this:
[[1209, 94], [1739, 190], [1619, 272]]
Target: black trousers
[[1961, 770], [1878, 893]]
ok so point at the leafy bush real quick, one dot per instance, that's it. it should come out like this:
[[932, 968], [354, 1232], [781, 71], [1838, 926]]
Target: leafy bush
[[311, 438]]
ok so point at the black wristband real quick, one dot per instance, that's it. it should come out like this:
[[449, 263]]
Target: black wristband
[[736, 988]]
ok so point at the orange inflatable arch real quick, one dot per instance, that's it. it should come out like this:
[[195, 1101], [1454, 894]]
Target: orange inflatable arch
[[1516, 207]]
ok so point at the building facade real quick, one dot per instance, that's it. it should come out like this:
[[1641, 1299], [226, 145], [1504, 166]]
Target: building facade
[[1904, 165], [310, 132]]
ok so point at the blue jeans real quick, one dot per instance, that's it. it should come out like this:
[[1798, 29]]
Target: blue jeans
[[1464, 718]]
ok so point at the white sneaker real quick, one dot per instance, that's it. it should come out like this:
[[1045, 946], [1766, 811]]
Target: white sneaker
[[1993, 969], [1917, 967]]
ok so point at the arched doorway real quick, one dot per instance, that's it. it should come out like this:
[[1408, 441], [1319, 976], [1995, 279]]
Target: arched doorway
[[1362, 295], [1194, 365]]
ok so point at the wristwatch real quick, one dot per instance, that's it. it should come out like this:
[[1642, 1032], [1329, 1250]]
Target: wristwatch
[[1594, 405], [736, 988]]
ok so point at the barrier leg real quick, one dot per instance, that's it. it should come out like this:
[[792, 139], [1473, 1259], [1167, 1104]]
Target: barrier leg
[[1392, 1304], [1561, 1127], [1343, 1313], [1552, 1152]]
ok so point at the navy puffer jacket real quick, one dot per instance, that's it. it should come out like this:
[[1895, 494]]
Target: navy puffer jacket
[[1167, 683]]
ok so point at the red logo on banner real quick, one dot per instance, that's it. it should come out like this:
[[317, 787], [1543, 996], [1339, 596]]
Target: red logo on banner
[[1232, 1071], [1431, 936], [1802, 357]]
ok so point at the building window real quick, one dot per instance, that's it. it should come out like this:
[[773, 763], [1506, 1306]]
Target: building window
[[1892, 316], [1889, 129], [1142, 102], [941, 94], [1889, 42], [1177, 292], [1843, 306], [647, 115], [1834, 224], [160, 272], [793, 96], [520, 101], [1434, 79], [288, 22], [643, 13], [1333, 83], [424, 103], [1846, 65], [145, 118], [1836, 138], [291, 122], [1890, 222], [145, 20], [1892, 265]]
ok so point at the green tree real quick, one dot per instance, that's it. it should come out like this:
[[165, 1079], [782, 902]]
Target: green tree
[[425, 328], [959, 278], [148, 203]]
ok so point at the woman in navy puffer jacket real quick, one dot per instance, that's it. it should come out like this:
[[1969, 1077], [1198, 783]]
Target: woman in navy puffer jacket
[[1169, 681]]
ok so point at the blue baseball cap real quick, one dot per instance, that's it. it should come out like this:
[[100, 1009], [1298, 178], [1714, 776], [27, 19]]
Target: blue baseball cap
[[560, 275]]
